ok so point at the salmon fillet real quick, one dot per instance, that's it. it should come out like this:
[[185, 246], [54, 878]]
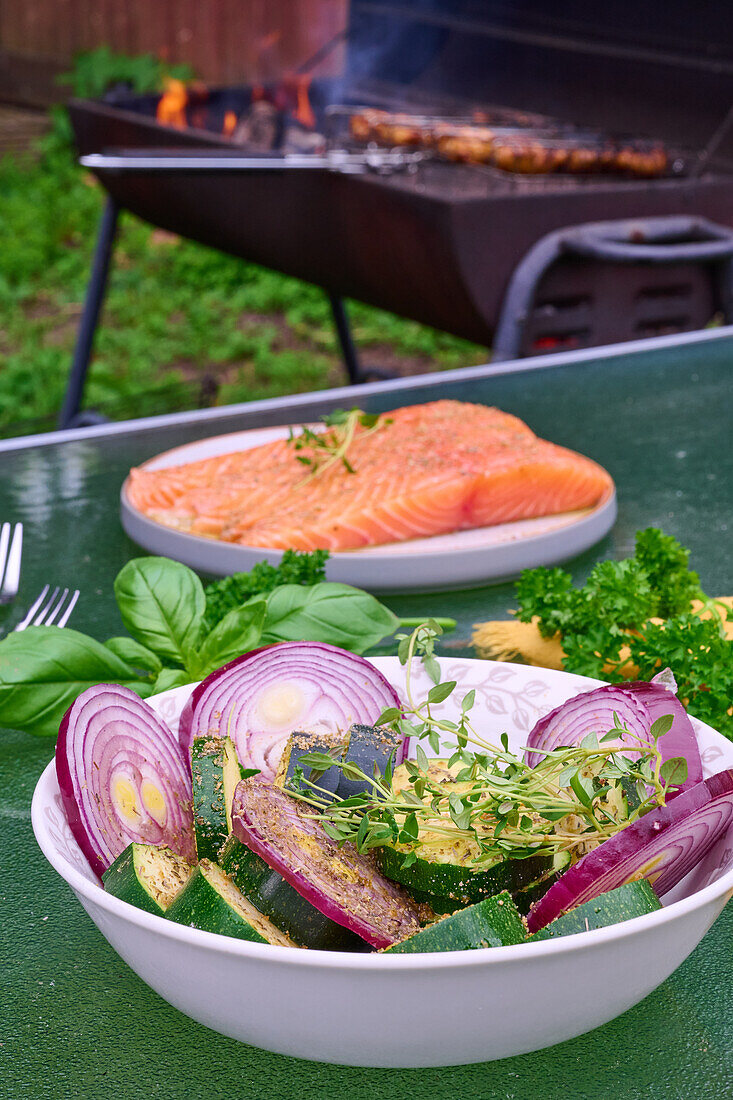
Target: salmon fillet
[[428, 470]]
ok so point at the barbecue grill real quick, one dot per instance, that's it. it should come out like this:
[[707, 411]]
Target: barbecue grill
[[447, 243]]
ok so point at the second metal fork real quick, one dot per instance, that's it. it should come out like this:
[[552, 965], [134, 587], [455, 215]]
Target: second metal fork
[[45, 611]]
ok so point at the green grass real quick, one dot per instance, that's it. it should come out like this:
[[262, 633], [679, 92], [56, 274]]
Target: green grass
[[182, 326]]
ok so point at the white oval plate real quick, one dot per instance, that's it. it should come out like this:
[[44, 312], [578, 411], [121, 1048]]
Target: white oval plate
[[409, 1010], [458, 560]]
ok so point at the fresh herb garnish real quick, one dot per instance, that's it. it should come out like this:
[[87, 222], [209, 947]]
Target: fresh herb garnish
[[321, 450], [574, 799], [295, 567], [606, 629]]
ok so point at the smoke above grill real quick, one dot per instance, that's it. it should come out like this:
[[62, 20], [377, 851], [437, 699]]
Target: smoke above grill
[[440, 67], [442, 239]]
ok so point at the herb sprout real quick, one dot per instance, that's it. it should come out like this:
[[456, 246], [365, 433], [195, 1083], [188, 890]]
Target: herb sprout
[[321, 450], [570, 802]]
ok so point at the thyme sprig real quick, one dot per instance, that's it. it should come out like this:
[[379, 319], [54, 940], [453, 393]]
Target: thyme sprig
[[321, 450], [572, 800]]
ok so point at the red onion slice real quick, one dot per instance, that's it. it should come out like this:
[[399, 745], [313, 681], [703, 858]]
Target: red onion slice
[[590, 712], [661, 847], [340, 882], [261, 698], [637, 704], [123, 777], [659, 696]]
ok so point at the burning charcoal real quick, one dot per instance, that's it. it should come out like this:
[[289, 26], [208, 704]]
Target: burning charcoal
[[259, 127], [298, 140]]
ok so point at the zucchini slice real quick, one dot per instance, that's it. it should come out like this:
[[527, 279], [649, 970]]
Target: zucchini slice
[[365, 746], [216, 772], [633, 899], [443, 868], [369, 746], [147, 877], [449, 882], [282, 904], [493, 922], [212, 902], [299, 743]]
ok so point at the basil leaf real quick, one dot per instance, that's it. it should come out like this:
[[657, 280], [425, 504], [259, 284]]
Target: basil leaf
[[239, 631], [44, 668], [171, 678], [327, 612], [139, 656], [162, 605]]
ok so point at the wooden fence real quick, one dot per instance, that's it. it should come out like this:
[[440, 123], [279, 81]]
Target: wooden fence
[[225, 41]]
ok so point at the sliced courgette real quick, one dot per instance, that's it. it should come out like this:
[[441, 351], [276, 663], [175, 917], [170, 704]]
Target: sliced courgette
[[363, 746], [216, 772], [147, 877], [282, 904], [493, 922], [440, 868], [368, 746], [211, 902], [633, 899], [299, 743], [454, 882]]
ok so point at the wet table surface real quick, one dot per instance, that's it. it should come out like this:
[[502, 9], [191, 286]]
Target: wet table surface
[[76, 1022]]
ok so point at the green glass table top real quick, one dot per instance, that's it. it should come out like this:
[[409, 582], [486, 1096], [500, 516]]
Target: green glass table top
[[77, 1022]]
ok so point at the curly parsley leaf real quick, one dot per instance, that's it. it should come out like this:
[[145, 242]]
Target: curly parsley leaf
[[547, 594], [605, 624], [665, 563], [295, 568], [702, 661]]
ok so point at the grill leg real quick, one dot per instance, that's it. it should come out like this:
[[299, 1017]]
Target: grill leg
[[357, 374], [343, 331], [70, 414]]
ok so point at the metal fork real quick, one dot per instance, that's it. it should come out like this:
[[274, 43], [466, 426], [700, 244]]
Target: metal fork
[[10, 552], [44, 611]]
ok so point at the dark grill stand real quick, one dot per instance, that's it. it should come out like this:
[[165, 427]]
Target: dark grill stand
[[706, 249], [72, 416]]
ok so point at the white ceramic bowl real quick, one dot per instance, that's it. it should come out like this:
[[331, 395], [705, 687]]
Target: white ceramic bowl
[[408, 1010]]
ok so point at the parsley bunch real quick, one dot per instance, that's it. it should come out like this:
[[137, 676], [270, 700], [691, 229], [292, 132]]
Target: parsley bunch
[[294, 568], [606, 630]]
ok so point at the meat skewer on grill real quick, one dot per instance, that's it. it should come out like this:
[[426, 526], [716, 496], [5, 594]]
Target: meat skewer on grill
[[526, 152]]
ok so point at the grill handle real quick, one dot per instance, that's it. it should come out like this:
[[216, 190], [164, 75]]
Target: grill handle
[[652, 241], [642, 241]]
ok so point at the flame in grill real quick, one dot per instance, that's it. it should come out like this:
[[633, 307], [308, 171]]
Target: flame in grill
[[303, 110], [171, 109], [181, 106]]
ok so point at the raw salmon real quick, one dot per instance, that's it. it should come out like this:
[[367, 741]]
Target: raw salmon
[[428, 470]]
